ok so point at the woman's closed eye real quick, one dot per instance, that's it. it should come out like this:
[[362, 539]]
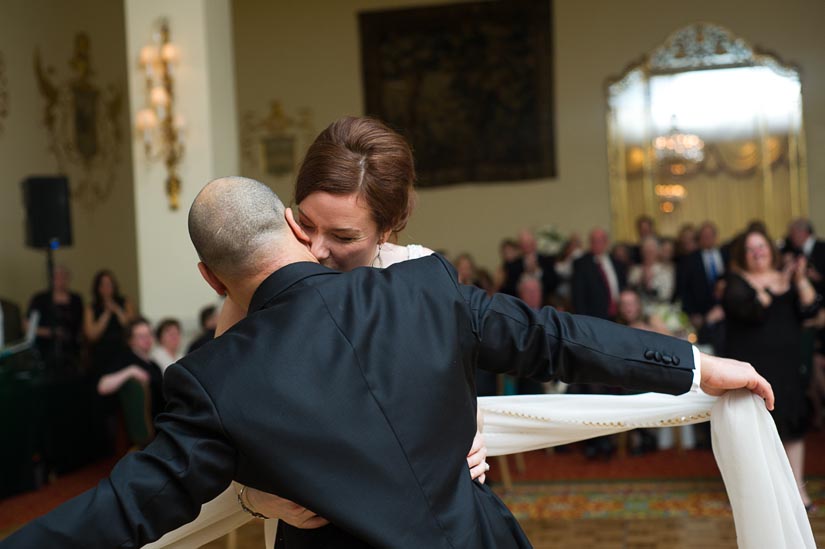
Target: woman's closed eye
[[346, 239]]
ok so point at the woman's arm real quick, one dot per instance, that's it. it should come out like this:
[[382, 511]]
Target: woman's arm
[[111, 383], [124, 314], [807, 293], [743, 301], [92, 328]]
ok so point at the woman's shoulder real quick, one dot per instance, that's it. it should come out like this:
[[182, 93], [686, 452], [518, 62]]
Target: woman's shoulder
[[414, 251], [394, 253]]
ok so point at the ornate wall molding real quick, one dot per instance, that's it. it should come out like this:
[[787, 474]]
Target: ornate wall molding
[[82, 120], [275, 143]]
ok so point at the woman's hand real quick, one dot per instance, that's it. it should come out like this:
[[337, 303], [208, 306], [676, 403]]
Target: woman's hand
[[282, 509], [801, 269], [477, 459]]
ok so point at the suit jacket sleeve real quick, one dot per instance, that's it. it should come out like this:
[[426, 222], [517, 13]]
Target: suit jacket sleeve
[[548, 344], [149, 492]]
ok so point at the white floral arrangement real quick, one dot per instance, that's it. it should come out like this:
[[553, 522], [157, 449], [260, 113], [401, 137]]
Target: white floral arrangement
[[674, 318], [550, 240]]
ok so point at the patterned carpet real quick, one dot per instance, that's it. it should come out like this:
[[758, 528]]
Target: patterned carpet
[[628, 499]]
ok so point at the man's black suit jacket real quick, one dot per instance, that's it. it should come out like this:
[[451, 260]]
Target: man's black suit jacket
[[816, 260], [352, 394], [696, 291], [590, 295]]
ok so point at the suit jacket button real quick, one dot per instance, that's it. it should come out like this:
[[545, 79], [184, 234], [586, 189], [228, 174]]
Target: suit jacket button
[[667, 359], [658, 356], [649, 354], [676, 360]]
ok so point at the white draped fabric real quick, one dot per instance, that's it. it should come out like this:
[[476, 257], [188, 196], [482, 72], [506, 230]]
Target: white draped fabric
[[767, 508]]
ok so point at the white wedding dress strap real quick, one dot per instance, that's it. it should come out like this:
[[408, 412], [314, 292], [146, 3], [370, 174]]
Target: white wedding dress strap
[[767, 508]]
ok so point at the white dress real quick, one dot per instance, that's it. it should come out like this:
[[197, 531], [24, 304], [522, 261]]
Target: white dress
[[767, 508]]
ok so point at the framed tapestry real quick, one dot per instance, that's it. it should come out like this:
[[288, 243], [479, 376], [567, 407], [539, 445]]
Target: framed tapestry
[[470, 85]]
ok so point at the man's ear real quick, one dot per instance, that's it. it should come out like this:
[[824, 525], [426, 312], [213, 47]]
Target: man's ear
[[211, 279], [296, 227]]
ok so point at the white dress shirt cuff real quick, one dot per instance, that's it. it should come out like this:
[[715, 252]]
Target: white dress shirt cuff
[[697, 369]]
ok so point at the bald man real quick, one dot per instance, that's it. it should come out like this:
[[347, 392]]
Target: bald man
[[349, 393]]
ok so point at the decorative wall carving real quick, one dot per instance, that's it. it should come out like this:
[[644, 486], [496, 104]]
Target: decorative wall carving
[[275, 142], [83, 122]]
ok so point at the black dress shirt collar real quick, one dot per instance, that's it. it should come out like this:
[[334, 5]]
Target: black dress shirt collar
[[282, 279]]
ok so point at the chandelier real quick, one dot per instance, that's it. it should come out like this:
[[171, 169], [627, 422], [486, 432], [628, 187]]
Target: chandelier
[[677, 147]]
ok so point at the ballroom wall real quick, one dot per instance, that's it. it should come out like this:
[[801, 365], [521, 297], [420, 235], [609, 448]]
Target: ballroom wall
[[306, 54], [103, 236]]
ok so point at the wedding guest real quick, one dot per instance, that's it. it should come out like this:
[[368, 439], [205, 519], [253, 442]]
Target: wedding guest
[[208, 322], [533, 263], [764, 310], [508, 251], [667, 250], [653, 279], [597, 279], [105, 321], [466, 268], [167, 350], [645, 228], [801, 240], [136, 366], [698, 276], [570, 252], [686, 241], [61, 320]]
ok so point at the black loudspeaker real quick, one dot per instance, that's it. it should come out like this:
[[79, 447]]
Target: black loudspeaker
[[48, 212]]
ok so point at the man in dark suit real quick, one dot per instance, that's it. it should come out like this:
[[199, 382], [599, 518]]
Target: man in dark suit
[[801, 240], [374, 367], [531, 263], [699, 274], [645, 227], [598, 279]]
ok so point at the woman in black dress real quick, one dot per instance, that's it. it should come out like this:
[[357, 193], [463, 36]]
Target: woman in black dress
[[104, 323], [764, 310]]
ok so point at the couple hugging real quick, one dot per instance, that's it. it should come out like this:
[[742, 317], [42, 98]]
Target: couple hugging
[[350, 391]]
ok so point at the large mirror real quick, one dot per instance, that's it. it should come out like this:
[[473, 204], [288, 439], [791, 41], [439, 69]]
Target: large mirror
[[703, 128]]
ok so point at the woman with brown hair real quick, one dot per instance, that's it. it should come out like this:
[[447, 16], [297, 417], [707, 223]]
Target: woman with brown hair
[[764, 309], [105, 321], [354, 194]]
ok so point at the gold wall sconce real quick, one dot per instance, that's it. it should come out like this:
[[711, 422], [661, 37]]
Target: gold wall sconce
[[158, 125]]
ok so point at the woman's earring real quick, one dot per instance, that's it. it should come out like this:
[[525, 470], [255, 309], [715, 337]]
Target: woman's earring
[[377, 261]]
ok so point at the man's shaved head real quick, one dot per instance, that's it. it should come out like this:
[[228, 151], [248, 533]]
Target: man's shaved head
[[233, 223]]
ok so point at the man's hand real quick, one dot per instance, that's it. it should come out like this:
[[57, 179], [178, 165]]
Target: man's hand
[[724, 374], [283, 509]]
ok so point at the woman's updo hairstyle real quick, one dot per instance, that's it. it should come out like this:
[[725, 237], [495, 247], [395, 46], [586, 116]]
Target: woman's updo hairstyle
[[362, 155]]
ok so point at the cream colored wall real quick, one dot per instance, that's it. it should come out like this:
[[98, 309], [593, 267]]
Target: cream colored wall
[[306, 54], [170, 284], [104, 237]]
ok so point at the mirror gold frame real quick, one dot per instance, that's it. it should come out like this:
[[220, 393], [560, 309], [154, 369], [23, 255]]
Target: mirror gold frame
[[761, 175]]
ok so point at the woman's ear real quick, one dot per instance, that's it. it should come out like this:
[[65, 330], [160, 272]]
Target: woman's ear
[[296, 228], [385, 236]]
